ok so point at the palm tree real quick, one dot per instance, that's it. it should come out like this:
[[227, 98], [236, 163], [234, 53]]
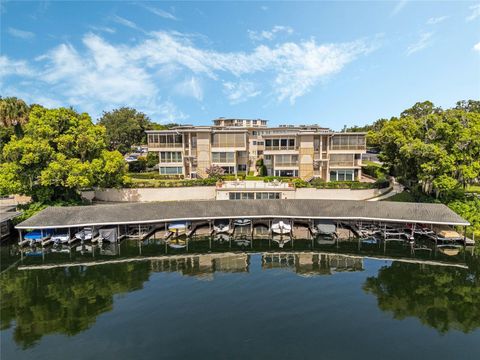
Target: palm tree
[[13, 112]]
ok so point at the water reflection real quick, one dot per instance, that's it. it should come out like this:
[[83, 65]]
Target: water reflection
[[63, 300], [63, 290], [443, 298]]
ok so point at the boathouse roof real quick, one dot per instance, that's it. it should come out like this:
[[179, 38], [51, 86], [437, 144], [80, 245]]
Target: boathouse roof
[[155, 212]]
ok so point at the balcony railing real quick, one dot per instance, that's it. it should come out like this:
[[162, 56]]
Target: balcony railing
[[342, 163], [275, 148], [165, 145], [286, 164], [347, 147]]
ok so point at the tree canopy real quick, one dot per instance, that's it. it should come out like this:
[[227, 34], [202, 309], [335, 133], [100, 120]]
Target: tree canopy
[[61, 151], [125, 127], [439, 149]]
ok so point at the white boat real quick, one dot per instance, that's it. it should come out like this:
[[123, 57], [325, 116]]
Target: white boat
[[221, 226], [61, 238], [281, 227], [87, 233], [242, 222], [281, 240]]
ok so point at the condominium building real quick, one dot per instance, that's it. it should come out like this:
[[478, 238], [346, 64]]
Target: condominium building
[[237, 144]]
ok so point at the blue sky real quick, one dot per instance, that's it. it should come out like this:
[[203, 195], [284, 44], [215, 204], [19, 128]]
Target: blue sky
[[330, 63]]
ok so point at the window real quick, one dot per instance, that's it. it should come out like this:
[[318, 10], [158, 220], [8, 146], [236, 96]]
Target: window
[[268, 142], [254, 196], [286, 173], [242, 167], [254, 142], [229, 169], [348, 142], [223, 157], [286, 160], [165, 140], [171, 170], [228, 140], [170, 156], [342, 175], [341, 160]]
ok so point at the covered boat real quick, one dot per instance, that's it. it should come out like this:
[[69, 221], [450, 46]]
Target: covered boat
[[87, 233], [324, 227], [109, 234]]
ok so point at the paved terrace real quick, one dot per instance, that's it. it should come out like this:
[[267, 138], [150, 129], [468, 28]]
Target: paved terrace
[[145, 213]]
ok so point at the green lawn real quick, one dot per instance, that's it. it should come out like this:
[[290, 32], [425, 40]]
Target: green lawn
[[473, 189], [401, 197]]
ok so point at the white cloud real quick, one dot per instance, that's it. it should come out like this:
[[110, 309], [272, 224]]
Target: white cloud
[[159, 12], [475, 12], [104, 29], [22, 34], [269, 34], [10, 67], [125, 22], [296, 67], [436, 20], [240, 91], [398, 7], [101, 75], [423, 41], [476, 47], [190, 87]]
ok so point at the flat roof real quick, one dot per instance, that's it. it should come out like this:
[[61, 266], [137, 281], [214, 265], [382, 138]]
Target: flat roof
[[155, 212]]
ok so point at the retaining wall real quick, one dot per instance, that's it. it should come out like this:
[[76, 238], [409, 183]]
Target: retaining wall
[[210, 193]]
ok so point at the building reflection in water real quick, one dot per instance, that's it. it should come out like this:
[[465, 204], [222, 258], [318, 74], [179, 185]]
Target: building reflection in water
[[202, 265], [309, 264]]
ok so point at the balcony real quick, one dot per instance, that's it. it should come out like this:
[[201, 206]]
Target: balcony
[[348, 147], [165, 145], [280, 147]]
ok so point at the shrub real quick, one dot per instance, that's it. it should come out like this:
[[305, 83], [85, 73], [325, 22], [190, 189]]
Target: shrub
[[152, 159], [262, 171], [215, 171], [139, 165]]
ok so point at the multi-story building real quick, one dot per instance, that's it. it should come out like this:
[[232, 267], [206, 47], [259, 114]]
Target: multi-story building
[[236, 145]]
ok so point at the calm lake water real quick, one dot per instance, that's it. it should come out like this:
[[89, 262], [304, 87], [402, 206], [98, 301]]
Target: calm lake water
[[143, 302]]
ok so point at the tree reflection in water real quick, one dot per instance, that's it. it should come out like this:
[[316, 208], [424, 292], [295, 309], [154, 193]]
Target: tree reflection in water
[[445, 298], [63, 300]]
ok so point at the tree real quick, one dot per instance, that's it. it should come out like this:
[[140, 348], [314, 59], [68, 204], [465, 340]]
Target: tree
[[438, 149], [421, 109], [13, 113], [60, 153], [125, 127], [215, 171]]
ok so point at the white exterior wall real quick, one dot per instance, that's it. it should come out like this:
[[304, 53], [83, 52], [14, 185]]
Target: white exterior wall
[[210, 193], [157, 194]]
